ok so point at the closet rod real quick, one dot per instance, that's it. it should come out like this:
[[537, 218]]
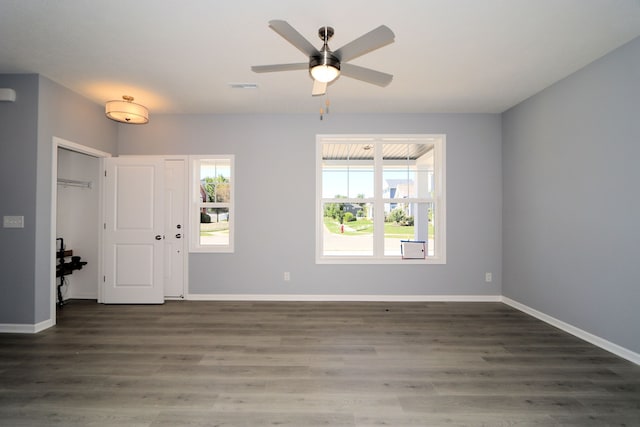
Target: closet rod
[[74, 183]]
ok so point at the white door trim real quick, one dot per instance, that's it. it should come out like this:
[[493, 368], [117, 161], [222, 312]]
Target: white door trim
[[83, 149]]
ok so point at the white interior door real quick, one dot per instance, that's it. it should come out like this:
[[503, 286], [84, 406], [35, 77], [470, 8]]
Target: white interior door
[[134, 231], [175, 251]]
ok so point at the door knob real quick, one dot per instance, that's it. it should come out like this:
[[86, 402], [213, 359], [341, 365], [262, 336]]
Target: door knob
[[178, 236], [158, 237]]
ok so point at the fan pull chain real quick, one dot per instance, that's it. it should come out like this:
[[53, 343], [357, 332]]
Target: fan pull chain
[[325, 110], [326, 103]]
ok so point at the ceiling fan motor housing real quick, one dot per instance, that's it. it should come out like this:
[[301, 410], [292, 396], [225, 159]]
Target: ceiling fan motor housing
[[326, 58]]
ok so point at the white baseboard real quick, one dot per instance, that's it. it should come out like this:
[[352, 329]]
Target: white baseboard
[[15, 328], [82, 296], [582, 334], [352, 298]]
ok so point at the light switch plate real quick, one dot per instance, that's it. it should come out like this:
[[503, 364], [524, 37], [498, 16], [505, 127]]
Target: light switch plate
[[13, 221]]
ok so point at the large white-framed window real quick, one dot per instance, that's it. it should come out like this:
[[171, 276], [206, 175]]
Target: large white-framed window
[[212, 203], [375, 191]]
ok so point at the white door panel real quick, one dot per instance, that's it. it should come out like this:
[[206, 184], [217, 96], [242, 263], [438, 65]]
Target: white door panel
[[134, 246], [138, 274], [134, 207]]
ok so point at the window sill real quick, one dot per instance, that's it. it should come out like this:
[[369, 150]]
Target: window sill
[[387, 260], [221, 250]]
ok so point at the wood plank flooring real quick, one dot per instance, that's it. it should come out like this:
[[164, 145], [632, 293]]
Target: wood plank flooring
[[310, 364]]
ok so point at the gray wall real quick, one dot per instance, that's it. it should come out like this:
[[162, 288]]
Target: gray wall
[[43, 109], [67, 115], [18, 150], [571, 231], [275, 202]]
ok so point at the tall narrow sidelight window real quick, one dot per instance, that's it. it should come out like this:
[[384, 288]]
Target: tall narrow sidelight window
[[212, 198], [375, 192]]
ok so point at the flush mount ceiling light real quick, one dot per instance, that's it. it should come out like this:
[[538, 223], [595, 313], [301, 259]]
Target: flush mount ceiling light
[[127, 111]]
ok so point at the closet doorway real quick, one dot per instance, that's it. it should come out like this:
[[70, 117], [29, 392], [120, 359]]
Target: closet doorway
[[76, 218]]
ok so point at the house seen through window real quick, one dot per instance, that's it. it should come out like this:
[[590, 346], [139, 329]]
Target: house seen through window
[[375, 191]]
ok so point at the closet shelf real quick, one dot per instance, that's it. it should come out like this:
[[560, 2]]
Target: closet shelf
[[74, 183]]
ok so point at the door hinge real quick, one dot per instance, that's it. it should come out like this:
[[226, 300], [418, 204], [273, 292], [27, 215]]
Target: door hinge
[[105, 173], [104, 279]]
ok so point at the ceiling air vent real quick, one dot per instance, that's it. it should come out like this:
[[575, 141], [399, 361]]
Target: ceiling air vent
[[243, 85]]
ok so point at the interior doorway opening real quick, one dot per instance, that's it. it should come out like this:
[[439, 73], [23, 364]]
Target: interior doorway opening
[[76, 217]]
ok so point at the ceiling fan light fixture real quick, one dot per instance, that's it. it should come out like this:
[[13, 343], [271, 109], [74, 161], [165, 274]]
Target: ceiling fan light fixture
[[324, 69], [127, 111], [325, 73]]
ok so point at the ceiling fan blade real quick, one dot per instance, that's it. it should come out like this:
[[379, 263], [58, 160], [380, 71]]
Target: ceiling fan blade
[[292, 35], [373, 40], [279, 67], [366, 74], [319, 88]]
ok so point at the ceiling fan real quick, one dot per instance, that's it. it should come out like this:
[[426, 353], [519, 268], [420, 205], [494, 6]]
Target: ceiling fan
[[325, 65]]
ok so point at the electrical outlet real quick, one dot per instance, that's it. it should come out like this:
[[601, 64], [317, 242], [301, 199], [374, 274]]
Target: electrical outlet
[[287, 276], [488, 277]]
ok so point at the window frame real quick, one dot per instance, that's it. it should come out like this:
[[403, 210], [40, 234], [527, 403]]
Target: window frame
[[438, 198], [196, 204]]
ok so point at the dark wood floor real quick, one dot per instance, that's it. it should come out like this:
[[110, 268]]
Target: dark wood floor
[[310, 364]]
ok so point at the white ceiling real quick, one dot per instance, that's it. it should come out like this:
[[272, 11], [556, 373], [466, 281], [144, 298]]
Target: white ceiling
[[179, 56]]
